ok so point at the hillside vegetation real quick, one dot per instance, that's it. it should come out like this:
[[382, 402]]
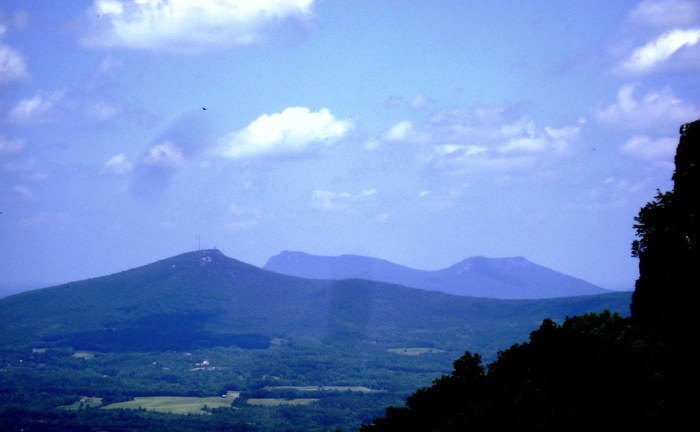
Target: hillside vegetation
[[204, 299], [304, 355]]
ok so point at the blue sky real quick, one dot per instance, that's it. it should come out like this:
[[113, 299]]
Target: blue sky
[[419, 132]]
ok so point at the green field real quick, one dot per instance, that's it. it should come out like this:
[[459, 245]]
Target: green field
[[85, 355], [414, 351], [83, 403], [358, 389], [174, 404], [271, 402]]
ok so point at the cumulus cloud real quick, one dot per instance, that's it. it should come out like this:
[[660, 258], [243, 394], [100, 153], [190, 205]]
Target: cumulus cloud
[[644, 147], [664, 13], [164, 155], [294, 131], [153, 173], [50, 106], [487, 137], [420, 102], [403, 131], [399, 132], [560, 139], [171, 152], [12, 65], [102, 111], [41, 108], [8, 145], [657, 36], [185, 25], [648, 111], [119, 164], [524, 144], [29, 168], [326, 200], [652, 54]]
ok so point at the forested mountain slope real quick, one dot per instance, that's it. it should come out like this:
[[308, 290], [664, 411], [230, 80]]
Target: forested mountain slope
[[204, 298]]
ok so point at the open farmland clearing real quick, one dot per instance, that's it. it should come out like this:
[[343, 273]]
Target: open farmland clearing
[[176, 404]]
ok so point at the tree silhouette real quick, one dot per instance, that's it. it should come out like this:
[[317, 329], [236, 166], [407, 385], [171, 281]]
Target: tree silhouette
[[665, 294]]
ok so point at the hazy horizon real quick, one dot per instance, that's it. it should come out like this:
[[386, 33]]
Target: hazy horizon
[[9, 289], [421, 133]]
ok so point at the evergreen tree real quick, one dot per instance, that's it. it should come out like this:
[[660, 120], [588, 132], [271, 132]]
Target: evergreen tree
[[665, 294]]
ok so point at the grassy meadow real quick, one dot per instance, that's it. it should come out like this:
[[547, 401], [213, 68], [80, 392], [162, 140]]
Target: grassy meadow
[[174, 404]]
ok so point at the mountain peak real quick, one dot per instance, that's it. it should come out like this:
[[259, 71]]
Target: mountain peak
[[478, 276], [477, 262]]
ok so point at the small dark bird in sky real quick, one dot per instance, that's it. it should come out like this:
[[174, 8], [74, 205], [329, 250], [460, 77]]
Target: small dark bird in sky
[[204, 108]]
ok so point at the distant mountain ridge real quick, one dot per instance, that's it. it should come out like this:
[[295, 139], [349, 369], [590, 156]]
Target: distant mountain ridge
[[204, 299], [147, 330], [498, 278]]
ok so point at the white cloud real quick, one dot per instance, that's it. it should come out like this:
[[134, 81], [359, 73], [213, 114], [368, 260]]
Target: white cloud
[[164, 155], [460, 150], [403, 131], [39, 109], [493, 138], [119, 164], [652, 54], [186, 25], [330, 201], [8, 145], [294, 131], [367, 193], [664, 13], [12, 65], [372, 144], [649, 111], [657, 36], [560, 139], [102, 111], [326, 200], [526, 144], [27, 168], [420, 102], [644, 147], [399, 132]]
